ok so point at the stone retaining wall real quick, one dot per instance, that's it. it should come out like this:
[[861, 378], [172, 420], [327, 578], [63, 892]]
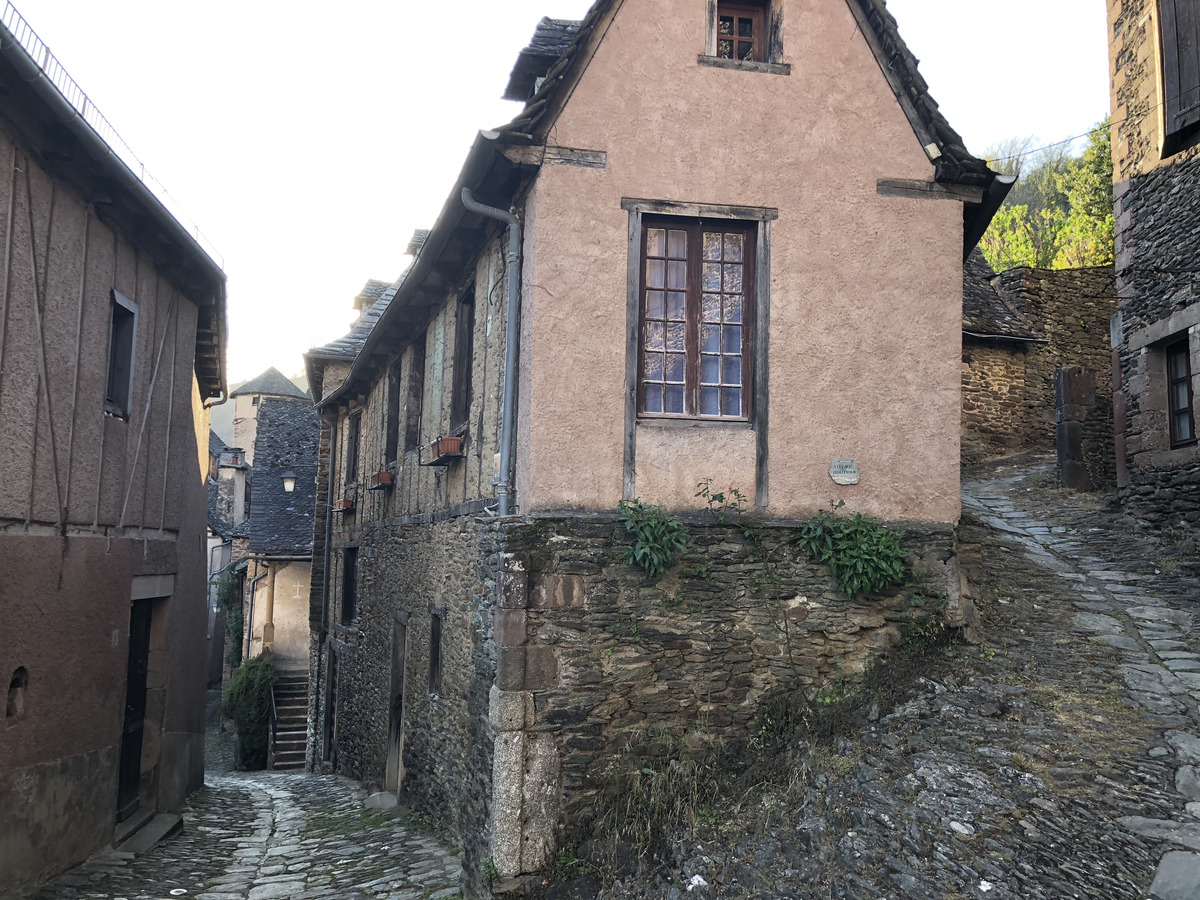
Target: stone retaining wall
[[596, 656]]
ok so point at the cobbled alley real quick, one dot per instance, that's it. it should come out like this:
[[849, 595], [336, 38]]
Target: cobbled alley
[[1058, 758], [273, 836]]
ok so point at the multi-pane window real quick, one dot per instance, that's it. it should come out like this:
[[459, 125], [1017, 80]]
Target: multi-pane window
[[122, 330], [741, 33], [696, 319], [1179, 394], [349, 585]]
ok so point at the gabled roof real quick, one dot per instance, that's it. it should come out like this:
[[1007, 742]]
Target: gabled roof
[[500, 162], [348, 345], [271, 382], [61, 129], [281, 522], [215, 444], [952, 162], [987, 312], [370, 294]]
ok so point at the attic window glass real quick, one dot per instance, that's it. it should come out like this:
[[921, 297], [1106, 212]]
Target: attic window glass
[[741, 32], [1179, 394], [695, 342], [122, 332]]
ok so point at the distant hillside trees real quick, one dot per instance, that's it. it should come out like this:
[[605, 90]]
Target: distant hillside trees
[[1059, 214]]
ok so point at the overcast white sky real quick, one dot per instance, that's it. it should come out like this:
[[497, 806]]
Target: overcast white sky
[[308, 141]]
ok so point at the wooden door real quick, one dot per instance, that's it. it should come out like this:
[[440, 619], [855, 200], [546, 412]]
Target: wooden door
[[135, 710]]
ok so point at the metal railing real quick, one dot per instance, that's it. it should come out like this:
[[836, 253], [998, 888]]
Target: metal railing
[[73, 94]]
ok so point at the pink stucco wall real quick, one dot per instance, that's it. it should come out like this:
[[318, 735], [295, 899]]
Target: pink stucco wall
[[865, 290]]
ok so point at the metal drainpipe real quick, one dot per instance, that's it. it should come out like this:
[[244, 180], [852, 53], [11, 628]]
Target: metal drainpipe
[[512, 338]]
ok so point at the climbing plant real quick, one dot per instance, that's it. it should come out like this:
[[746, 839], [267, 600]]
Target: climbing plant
[[657, 538], [863, 553], [247, 701], [231, 601]]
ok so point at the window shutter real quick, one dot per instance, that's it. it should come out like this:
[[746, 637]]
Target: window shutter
[[1181, 62]]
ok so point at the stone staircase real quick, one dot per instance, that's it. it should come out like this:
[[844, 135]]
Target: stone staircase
[[291, 730]]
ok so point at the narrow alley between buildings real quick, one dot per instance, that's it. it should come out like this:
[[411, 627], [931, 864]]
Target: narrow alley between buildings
[[1058, 758], [273, 836]]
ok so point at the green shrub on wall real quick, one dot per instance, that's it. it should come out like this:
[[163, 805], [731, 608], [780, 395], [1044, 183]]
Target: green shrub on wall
[[657, 538], [863, 554], [247, 701]]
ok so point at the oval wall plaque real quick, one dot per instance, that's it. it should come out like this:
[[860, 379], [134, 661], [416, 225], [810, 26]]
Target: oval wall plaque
[[844, 471]]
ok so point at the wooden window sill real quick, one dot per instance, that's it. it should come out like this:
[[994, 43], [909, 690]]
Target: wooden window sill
[[683, 422], [744, 65]]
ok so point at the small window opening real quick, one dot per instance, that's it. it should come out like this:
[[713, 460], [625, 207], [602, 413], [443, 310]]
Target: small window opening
[[353, 424], [254, 400], [349, 585], [415, 397], [464, 335], [16, 694], [741, 32], [435, 655], [1179, 394], [392, 425], [122, 330]]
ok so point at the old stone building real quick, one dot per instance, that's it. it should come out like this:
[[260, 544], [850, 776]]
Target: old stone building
[[1019, 329], [1155, 57], [111, 343], [606, 311]]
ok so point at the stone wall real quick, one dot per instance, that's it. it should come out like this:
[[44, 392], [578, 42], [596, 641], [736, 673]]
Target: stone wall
[[408, 573], [1158, 238], [993, 398], [1008, 388], [596, 656]]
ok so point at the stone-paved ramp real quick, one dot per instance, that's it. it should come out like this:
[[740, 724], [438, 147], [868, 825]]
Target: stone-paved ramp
[[268, 836], [1151, 619]]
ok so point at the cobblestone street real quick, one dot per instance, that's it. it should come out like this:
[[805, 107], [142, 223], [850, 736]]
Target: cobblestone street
[[268, 836]]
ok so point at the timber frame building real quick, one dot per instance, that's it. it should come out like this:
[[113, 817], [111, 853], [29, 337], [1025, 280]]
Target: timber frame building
[[112, 339]]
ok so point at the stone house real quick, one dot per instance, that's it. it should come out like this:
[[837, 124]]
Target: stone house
[[622, 300], [1020, 327], [1154, 50], [111, 344]]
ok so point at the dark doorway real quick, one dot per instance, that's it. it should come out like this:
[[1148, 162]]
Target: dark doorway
[[394, 774], [135, 709]]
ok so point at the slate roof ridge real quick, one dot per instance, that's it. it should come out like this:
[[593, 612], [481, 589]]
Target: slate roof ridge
[[271, 382], [349, 344], [987, 309]]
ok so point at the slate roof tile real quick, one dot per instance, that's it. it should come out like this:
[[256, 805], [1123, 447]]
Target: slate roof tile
[[281, 522], [271, 382], [987, 312]]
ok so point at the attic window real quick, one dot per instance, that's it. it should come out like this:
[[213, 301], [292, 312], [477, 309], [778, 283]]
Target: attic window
[[745, 35], [740, 32]]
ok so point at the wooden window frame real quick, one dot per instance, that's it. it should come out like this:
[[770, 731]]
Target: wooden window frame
[[464, 360], [349, 586], [122, 355], [693, 356], [415, 396], [1181, 124], [758, 14], [391, 427], [1180, 349], [767, 54], [353, 439]]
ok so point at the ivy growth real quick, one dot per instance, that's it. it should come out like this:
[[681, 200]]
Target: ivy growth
[[863, 554], [657, 538]]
